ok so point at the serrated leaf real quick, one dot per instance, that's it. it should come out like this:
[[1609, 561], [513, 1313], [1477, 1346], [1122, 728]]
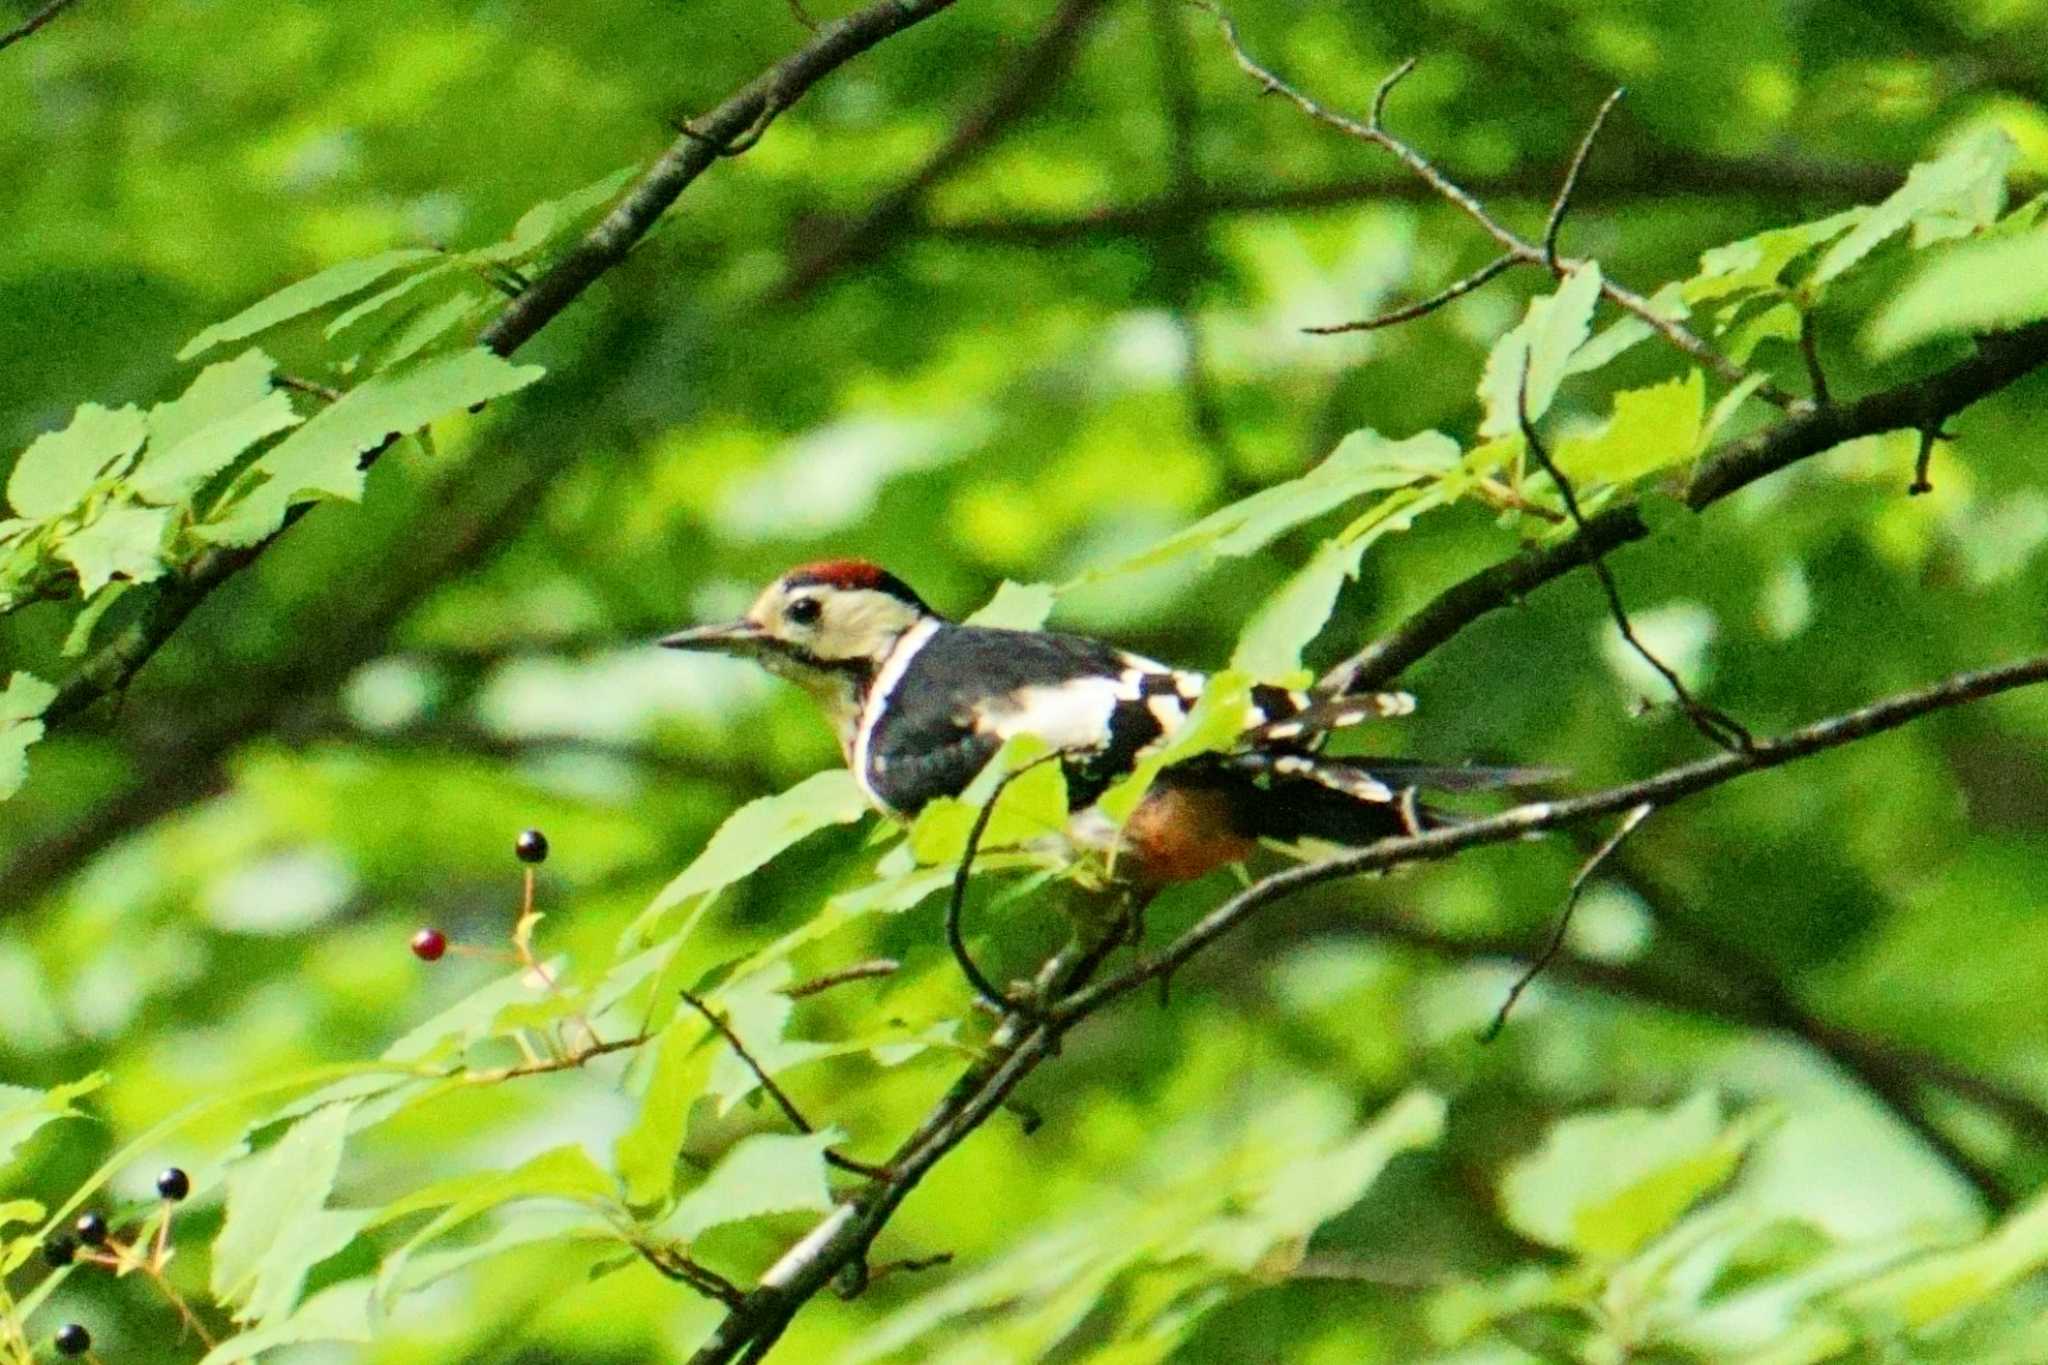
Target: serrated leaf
[[464, 1022], [1628, 330], [384, 298], [565, 1173], [303, 296], [755, 1008], [756, 833], [1032, 806], [277, 1226], [21, 707], [1945, 1283], [125, 540], [430, 324], [645, 1153], [24, 1111], [171, 473], [1363, 462], [1779, 322], [324, 457], [1651, 428], [1016, 606], [764, 1174], [1953, 193], [1537, 351], [1971, 287], [219, 391], [57, 471], [338, 1313], [1757, 264], [1604, 1184], [552, 217]]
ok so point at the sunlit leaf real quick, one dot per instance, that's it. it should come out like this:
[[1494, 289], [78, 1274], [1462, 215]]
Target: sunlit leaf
[[303, 296], [1032, 805], [552, 217], [278, 1225], [57, 471], [324, 457], [1757, 264], [21, 705], [24, 1111], [1536, 352], [125, 541], [338, 1313], [1941, 198], [764, 1174], [1016, 606], [216, 393], [1970, 287], [1651, 429], [171, 473], [645, 1153], [1628, 330]]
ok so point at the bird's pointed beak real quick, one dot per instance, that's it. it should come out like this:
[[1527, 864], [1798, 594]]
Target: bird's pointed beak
[[730, 637]]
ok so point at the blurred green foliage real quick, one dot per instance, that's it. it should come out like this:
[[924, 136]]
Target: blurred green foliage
[[1784, 1097]]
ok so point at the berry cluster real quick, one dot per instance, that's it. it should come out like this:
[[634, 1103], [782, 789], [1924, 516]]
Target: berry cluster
[[531, 847], [92, 1242]]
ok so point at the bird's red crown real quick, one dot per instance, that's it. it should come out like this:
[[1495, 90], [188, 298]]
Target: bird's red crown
[[853, 575]]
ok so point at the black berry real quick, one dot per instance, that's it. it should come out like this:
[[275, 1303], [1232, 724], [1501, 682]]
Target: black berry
[[532, 846], [173, 1184], [429, 944], [72, 1339], [91, 1229], [61, 1250]]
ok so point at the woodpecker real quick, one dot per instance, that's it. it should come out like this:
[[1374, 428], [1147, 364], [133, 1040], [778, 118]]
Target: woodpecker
[[920, 704]]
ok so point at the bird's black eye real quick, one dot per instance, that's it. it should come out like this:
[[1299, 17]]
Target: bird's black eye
[[805, 611]]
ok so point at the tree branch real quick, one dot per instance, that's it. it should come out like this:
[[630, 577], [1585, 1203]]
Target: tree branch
[[1026, 80], [34, 22], [751, 1329], [2000, 361], [726, 130]]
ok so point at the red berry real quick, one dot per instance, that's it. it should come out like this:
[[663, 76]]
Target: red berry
[[91, 1229], [429, 944], [173, 1184], [532, 846], [72, 1339]]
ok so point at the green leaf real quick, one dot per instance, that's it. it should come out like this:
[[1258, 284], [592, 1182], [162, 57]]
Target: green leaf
[[564, 1172], [1757, 264], [1979, 286], [645, 1153], [384, 298], [60, 468], [171, 473], [1628, 330], [1779, 322], [764, 1174], [1725, 408], [552, 217], [303, 296], [756, 833], [217, 393], [1539, 348], [338, 1313], [1941, 198], [1938, 1286], [125, 540], [430, 324], [21, 708], [1652, 428], [1603, 1184], [277, 1226], [1363, 462], [1033, 806], [324, 457], [1016, 606], [24, 1111]]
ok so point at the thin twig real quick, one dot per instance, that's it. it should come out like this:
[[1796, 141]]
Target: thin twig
[[1562, 204], [540, 1066], [326, 393], [1719, 727], [1809, 350], [842, 1237], [725, 1030], [1498, 265], [1511, 243], [1563, 926], [858, 971], [1923, 462], [677, 1266], [986, 989], [34, 22]]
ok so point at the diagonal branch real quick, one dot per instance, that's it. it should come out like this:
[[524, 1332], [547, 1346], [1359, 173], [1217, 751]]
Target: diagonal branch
[[1026, 80], [34, 22], [1373, 130], [840, 1241], [728, 129], [2000, 361]]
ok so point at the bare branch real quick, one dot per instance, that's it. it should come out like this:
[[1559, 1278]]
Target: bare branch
[[841, 1239], [1496, 266], [34, 22], [1718, 726], [1511, 243], [1555, 945], [2000, 360], [858, 971], [1563, 203]]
